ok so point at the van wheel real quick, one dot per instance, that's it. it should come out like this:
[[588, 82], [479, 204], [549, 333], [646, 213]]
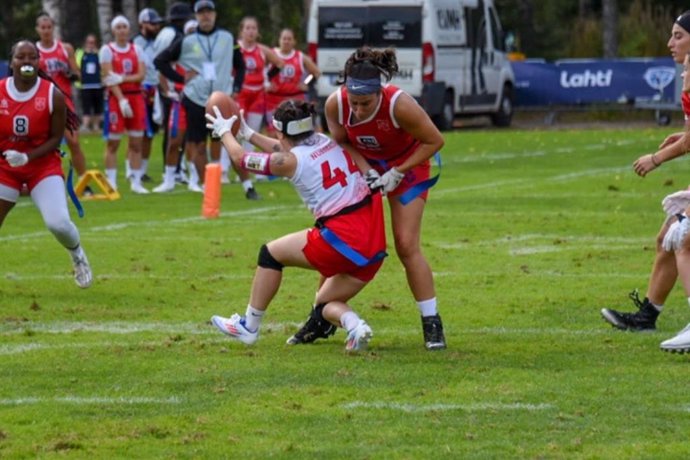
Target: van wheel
[[505, 110], [444, 120]]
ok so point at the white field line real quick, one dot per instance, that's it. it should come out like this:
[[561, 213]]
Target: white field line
[[531, 182], [445, 407], [498, 156], [120, 276], [258, 213], [88, 400], [526, 251], [198, 328]]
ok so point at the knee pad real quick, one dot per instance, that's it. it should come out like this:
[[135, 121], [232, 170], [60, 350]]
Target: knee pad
[[266, 260]]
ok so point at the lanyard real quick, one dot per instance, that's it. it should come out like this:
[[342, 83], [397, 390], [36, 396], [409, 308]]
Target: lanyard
[[208, 52]]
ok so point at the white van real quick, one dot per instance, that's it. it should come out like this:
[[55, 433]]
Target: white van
[[451, 53]]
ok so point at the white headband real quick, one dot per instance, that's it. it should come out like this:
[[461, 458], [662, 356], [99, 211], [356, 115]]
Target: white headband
[[117, 20], [295, 127]]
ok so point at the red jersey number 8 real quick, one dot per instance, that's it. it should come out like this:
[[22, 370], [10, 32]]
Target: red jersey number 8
[[336, 175], [20, 125]]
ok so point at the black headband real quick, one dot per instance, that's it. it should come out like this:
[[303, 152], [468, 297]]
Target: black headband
[[684, 21]]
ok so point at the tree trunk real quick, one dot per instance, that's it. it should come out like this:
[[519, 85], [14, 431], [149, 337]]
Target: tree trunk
[[105, 15], [610, 28], [129, 9], [276, 15], [53, 8], [584, 7]]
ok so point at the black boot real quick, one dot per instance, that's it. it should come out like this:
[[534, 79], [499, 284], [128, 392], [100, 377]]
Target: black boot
[[642, 320]]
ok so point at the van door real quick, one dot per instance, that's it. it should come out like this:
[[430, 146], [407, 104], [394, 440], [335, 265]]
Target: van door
[[480, 88]]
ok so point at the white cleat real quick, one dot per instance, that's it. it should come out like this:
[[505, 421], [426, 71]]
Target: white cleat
[[164, 188], [359, 337], [678, 344], [138, 188], [235, 328], [195, 187], [82, 270]]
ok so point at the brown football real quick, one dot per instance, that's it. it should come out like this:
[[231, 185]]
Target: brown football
[[227, 106]]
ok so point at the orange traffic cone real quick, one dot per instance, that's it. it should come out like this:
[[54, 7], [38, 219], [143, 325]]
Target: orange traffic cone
[[210, 207]]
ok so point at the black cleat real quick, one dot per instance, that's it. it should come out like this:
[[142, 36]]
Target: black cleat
[[146, 178], [313, 329], [251, 194], [433, 332], [642, 320]]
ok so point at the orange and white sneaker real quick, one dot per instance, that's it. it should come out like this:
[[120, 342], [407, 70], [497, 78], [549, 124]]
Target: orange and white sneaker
[[235, 328], [359, 337]]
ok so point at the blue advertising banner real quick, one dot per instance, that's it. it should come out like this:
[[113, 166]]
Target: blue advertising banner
[[4, 68], [587, 81]]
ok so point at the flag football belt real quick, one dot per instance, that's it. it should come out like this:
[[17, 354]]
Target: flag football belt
[[70, 189], [342, 247], [416, 190]]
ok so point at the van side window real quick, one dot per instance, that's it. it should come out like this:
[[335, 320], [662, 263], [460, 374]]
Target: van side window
[[352, 27], [496, 31], [476, 27]]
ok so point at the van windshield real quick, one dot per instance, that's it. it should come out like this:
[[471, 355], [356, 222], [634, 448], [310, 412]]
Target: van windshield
[[378, 27]]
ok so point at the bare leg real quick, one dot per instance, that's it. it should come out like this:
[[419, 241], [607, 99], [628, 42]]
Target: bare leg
[[664, 271], [407, 223]]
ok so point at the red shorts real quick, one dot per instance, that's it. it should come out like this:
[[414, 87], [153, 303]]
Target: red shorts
[[414, 176], [252, 101], [31, 173], [118, 124], [362, 229], [178, 118]]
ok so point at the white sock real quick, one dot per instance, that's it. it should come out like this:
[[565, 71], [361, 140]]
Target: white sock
[[169, 177], [128, 169], [349, 320], [144, 166], [661, 307], [247, 184], [136, 176], [427, 307], [111, 174], [252, 318], [193, 175]]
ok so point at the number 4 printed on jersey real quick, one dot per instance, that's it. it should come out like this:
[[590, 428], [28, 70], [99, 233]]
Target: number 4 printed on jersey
[[336, 175]]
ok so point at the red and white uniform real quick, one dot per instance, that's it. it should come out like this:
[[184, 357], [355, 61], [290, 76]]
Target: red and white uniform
[[332, 187], [252, 96], [286, 85], [55, 62], [25, 121], [685, 102], [381, 140], [125, 61]]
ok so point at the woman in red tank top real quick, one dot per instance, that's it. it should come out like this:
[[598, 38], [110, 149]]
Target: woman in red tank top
[[392, 139], [33, 119], [57, 59]]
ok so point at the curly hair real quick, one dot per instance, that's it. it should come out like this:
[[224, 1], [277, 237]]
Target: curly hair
[[368, 63], [291, 110], [72, 120]]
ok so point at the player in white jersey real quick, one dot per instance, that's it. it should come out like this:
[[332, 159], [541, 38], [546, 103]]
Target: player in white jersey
[[347, 243]]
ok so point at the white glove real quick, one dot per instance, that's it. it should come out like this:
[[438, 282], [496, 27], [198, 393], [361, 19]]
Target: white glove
[[16, 159], [245, 131], [371, 177], [676, 234], [389, 181], [676, 203], [218, 124], [113, 79], [125, 108]]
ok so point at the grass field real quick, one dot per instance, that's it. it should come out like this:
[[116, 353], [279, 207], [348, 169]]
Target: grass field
[[529, 234]]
